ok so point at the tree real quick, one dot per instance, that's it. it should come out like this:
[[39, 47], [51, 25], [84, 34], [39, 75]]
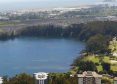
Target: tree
[[97, 44], [21, 79], [87, 66], [106, 66]]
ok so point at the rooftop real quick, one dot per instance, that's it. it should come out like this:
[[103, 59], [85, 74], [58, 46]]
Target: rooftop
[[115, 78], [89, 74], [41, 75]]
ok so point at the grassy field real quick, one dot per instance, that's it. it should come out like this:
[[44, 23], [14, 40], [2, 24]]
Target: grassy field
[[99, 59]]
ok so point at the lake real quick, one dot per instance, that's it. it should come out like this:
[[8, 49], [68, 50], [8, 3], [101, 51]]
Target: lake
[[32, 55]]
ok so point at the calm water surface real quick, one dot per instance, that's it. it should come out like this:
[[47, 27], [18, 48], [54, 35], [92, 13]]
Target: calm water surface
[[37, 54]]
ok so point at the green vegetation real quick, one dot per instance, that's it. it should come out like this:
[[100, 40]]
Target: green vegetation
[[19, 79], [97, 44], [97, 57], [54, 78], [62, 78], [101, 64]]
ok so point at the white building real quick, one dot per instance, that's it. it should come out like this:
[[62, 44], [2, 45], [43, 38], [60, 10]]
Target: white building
[[1, 80], [89, 77], [113, 46], [41, 77], [114, 54], [115, 80]]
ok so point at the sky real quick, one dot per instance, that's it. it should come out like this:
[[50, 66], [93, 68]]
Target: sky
[[10, 1], [24, 4]]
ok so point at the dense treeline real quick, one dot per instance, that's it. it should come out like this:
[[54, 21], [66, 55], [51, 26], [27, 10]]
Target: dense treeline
[[81, 31], [62, 78], [19, 79], [54, 78]]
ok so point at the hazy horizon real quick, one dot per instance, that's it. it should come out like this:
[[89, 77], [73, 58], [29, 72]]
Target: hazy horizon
[[24, 4]]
